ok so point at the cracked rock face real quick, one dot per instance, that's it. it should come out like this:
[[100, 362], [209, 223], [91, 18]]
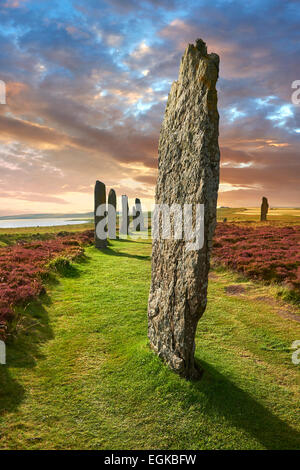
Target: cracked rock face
[[264, 209], [188, 172]]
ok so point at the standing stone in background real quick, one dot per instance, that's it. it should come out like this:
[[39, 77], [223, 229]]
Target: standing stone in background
[[188, 172], [125, 216], [139, 215], [100, 200], [264, 209], [134, 218], [112, 214]]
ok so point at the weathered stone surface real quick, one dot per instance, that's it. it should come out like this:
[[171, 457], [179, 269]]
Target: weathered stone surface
[[112, 214], [188, 172], [134, 218], [125, 216], [100, 199], [264, 209], [139, 225]]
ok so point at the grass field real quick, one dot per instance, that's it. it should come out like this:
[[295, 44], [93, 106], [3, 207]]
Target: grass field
[[283, 215], [80, 374], [9, 236], [278, 216]]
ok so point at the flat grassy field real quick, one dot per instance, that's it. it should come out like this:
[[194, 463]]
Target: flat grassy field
[[9, 236], [281, 216], [80, 375]]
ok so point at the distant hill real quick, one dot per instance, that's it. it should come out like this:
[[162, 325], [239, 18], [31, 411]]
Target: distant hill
[[86, 215]]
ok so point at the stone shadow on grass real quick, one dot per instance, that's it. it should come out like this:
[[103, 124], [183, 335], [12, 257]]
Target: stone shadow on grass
[[145, 242], [228, 401], [111, 252], [23, 350], [11, 392], [23, 347]]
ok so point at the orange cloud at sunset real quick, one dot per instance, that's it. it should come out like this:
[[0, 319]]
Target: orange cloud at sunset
[[86, 94]]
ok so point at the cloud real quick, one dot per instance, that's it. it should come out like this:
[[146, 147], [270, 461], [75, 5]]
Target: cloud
[[27, 196], [87, 86], [14, 3]]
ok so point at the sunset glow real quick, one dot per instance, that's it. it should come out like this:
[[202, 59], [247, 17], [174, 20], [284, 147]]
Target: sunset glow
[[87, 83]]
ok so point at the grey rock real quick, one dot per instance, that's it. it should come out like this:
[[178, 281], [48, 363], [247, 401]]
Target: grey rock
[[100, 198], [188, 172], [264, 209], [112, 214]]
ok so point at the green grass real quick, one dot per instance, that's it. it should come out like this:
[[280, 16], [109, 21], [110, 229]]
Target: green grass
[[277, 216], [251, 215], [80, 375], [9, 236]]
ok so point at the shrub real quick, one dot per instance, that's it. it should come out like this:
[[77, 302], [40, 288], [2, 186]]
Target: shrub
[[268, 253], [63, 266], [24, 268]]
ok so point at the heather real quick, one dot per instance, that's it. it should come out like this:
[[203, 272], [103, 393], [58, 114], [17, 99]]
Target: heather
[[10, 236], [84, 377], [269, 253], [23, 268]]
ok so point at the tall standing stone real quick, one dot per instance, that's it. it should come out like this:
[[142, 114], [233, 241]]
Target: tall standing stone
[[139, 215], [125, 216], [134, 218], [100, 200], [112, 214], [264, 209], [188, 172]]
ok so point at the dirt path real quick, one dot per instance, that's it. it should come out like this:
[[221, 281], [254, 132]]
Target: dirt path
[[259, 293]]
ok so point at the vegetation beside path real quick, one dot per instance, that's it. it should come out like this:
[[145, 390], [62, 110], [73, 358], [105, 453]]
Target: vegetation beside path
[[81, 376]]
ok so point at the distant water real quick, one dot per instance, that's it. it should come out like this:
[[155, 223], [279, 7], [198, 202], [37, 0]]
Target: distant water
[[14, 223]]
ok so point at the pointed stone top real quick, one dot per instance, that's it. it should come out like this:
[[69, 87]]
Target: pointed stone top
[[112, 197], [201, 46], [198, 66]]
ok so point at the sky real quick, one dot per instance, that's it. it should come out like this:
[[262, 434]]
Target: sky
[[86, 88]]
